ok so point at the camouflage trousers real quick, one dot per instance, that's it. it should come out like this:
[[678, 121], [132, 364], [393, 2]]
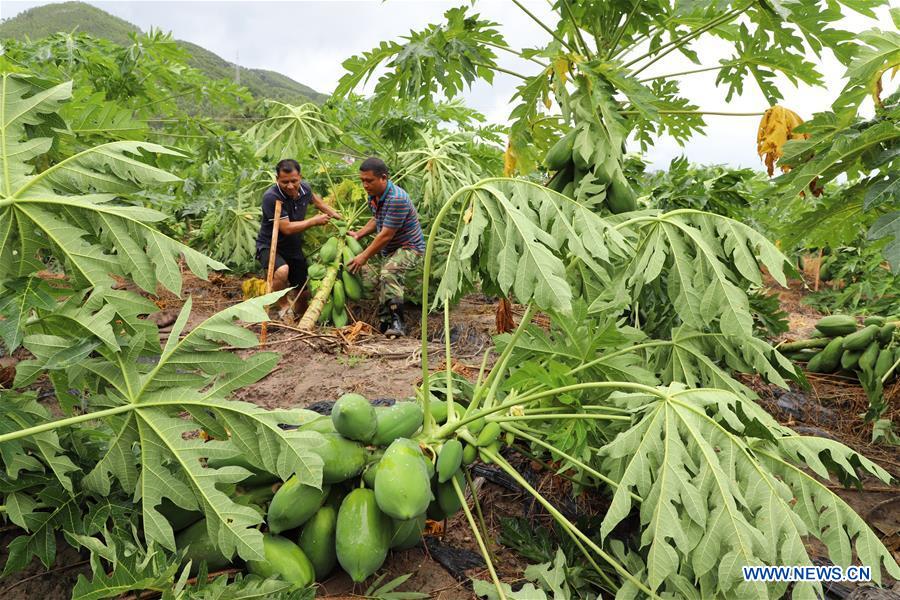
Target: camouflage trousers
[[395, 275]]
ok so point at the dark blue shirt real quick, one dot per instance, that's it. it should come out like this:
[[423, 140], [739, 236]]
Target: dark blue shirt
[[291, 209]]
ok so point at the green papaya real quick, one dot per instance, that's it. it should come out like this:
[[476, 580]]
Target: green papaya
[[339, 318], [407, 534], [369, 475], [352, 287], [562, 178], [200, 547], [560, 153], [353, 244], [354, 417], [362, 534], [294, 504], [254, 496], [178, 517], [342, 458], [884, 362], [402, 487], [886, 333], [329, 250], [620, 197], [861, 339], [470, 454], [325, 315], [449, 460], [317, 541], [402, 420], [850, 359], [284, 560], [873, 320], [606, 170], [347, 255], [338, 296], [827, 360], [447, 497], [835, 325], [494, 448], [488, 435], [869, 356], [316, 271]]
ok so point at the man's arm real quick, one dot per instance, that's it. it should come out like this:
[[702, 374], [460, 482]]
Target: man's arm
[[288, 227], [384, 236], [324, 208], [367, 229]]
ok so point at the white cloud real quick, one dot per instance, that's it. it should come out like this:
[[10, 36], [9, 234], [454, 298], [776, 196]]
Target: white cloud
[[308, 41]]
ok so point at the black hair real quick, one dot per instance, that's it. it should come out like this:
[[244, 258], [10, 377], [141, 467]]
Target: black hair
[[374, 165], [288, 165]]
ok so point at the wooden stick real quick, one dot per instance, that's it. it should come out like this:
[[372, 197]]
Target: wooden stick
[[271, 270], [818, 270]]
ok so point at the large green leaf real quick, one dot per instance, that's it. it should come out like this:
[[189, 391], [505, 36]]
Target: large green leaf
[[68, 210], [716, 499]]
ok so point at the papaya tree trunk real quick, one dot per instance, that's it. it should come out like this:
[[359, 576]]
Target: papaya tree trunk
[[311, 316]]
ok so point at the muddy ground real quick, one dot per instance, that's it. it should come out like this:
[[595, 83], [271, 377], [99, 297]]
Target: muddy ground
[[322, 366]]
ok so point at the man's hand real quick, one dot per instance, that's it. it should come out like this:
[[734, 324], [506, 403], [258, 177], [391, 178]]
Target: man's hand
[[355, 234], [356, 265], [335, 214], [320, 219]]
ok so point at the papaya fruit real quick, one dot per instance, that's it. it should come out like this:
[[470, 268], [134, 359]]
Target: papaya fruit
[[407, 534], [347, 255], [869, 356], [329, 250], [835, 325], [362, 535], [873, 320], [339, 318], [402, 487], [562, 178], [353, 244], [488, 435], [342, 458], [316, 271], [883, 362], [325, 315], [620, 197], [850, 359], [861, 339], [402, 420], [828, 359], [321, 424], [338, 296], [494, 448], [354, 417], [200, 547], [606, 170], [284, 560], [294, 504], [560, 153], [254, 496], [368, 475], [447, 498], [449, 460], [886, 333], [470, 454], [317, 541], [352, 288], [179, 518]]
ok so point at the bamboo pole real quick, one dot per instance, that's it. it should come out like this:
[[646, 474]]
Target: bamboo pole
[[271, 269]]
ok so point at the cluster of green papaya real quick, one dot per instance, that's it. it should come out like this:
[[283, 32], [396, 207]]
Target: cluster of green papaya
[[841, 344], [378, 488], [347, 286], [603, 169]]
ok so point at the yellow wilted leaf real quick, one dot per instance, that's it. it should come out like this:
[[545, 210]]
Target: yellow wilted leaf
[[253, 288], [775, 129], [509, 161], [561, 68]]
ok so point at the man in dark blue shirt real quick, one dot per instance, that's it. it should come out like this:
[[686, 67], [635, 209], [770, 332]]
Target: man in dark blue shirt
[[295, 196]]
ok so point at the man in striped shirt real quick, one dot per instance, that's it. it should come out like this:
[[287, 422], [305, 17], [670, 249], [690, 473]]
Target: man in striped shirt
[[398, 243]]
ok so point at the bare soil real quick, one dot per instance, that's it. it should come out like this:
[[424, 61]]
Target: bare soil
[[328, 363]]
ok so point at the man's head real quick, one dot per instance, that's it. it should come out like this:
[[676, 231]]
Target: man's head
[[287, 174], [373, 174]]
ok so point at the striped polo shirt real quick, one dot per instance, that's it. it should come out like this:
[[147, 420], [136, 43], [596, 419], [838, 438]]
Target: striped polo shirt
[[395, 210]]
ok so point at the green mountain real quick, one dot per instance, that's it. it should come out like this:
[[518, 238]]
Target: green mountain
[[45, 20]]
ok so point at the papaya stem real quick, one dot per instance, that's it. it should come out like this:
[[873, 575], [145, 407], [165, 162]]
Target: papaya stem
[[481, 522], [474, 527]]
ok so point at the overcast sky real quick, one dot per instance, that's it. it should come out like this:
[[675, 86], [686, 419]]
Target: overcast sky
[[309, 40]]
